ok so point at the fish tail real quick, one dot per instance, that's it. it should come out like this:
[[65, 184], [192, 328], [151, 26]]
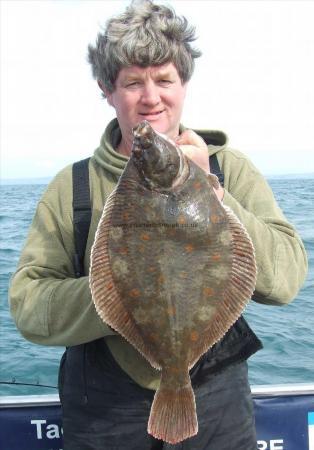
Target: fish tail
[[173, 414]]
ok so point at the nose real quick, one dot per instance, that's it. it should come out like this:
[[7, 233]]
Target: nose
[[150, 94]]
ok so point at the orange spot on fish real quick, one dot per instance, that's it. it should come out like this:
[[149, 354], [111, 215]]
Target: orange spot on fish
[[123, 251], [181, 220], [145, 237], [134, 293], [189, 248], [174, 370], [171, 311], [214, 218], [153, 337], [194, 336], [209, 292], [197, 185], [161, 279], [109, 285], [216, 256], [151, 269]]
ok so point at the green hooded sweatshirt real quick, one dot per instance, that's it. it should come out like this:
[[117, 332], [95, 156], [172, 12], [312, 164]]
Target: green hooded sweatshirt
[[52, 307]]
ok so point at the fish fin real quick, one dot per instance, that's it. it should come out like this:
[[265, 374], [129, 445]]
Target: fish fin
[[105, 296], [238, 290], [214, 181], [244, 270], [173, 413], [241, 284]]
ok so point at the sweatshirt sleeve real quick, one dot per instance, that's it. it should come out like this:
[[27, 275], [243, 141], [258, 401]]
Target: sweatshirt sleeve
[[49, 305], [280, 254]]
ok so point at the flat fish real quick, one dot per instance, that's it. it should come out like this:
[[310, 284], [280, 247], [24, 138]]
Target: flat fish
[[172, 269]]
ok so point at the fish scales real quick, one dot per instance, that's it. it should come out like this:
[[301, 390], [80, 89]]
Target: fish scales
[[171, 270]]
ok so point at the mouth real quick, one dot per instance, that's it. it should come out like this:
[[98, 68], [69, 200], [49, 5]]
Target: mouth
[[151, 115]]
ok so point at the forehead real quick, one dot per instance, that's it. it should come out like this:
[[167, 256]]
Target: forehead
[[150, 71]]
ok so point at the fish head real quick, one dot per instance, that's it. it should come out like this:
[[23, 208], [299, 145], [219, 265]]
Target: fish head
[[158, 160]]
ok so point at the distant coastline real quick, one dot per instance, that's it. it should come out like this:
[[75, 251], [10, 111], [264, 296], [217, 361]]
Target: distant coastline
[[46, 180]]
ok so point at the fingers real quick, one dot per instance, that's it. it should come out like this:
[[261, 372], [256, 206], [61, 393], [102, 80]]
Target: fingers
[[189, 150], [195, 148], [189, 137]]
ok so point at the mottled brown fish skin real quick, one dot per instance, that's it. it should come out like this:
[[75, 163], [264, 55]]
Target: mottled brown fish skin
[[171, 270]]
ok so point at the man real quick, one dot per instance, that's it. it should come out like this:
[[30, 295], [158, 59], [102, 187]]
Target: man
[[143, 62]]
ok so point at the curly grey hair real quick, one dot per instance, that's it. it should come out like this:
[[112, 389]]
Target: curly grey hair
[[145, 34]]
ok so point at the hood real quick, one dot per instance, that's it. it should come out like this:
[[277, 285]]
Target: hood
[[108, 158]]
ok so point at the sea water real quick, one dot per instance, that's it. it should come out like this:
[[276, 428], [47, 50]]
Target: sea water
[[286, 332]]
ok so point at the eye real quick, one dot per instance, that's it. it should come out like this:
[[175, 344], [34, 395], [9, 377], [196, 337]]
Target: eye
[[132, 84], [165, 82]]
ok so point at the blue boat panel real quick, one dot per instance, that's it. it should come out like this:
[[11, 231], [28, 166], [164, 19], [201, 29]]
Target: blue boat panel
[[31, 428], [282, 422]]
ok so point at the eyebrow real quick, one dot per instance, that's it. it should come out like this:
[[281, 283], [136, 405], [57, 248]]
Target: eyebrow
[[158, 74], [164, 74]]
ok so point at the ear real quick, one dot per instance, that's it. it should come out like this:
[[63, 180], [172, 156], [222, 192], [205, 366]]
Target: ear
[[107, 94]]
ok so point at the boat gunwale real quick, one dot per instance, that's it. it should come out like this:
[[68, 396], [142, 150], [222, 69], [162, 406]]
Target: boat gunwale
[[258, 391]]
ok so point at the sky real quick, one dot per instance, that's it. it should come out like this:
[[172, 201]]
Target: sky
[[254, 81]]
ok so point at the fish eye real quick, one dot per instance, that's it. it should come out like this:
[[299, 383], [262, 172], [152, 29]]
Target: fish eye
[[146, 142]]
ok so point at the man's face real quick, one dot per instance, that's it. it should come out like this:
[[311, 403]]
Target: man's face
[[154, 93]]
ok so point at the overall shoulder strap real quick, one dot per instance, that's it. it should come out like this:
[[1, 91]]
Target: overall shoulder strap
[[81, 212], [215, 168]]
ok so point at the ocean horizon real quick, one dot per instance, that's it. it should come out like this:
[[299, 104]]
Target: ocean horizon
[[46, 180]]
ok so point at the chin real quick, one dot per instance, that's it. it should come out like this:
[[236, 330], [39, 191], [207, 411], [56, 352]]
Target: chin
[[162, 128]]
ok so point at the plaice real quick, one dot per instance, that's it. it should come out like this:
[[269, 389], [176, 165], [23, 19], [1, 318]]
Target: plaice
[[172, 269]]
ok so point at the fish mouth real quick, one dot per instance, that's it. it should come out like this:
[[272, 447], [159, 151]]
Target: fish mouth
[[143, 134], [143, 137], [142, 130]]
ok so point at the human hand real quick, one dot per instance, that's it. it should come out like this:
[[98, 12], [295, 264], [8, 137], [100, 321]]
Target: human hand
[[195, 148]]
